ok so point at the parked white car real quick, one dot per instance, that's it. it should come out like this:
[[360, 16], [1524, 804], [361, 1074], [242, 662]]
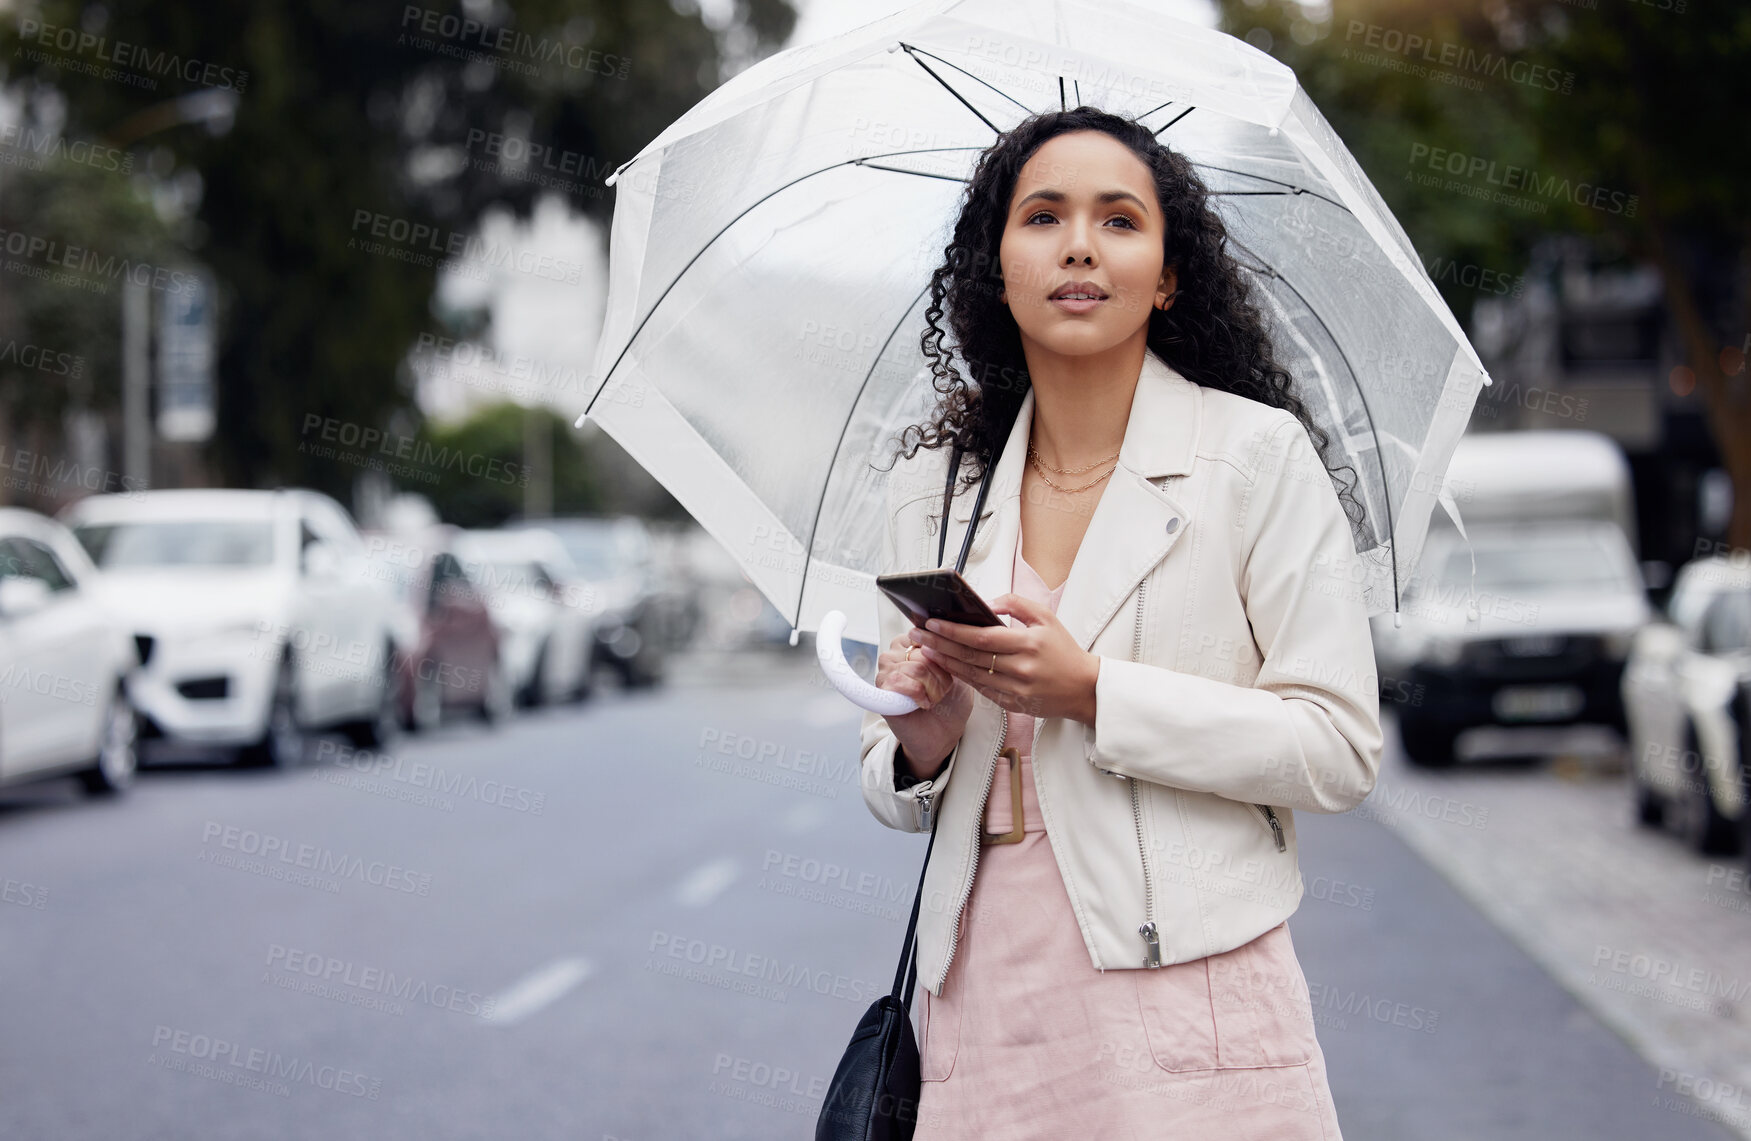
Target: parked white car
[[545, 617], [256, 620], [64, 662], [641, 612], [1685, 691]]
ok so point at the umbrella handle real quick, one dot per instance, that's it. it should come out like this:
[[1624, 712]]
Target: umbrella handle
[[830, 652]]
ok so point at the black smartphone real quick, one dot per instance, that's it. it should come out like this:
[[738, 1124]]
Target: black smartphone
[[940, 594]]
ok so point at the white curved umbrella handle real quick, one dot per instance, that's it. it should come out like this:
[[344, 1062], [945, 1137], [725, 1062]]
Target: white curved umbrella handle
[[831, 653]]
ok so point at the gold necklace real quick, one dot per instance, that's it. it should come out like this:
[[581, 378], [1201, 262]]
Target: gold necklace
[[1034, 453], [1071, 490]]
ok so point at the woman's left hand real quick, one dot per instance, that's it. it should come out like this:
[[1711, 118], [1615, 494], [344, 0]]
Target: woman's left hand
[[1041, 671]]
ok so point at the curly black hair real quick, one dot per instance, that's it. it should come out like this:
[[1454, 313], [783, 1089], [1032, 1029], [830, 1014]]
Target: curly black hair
[[1213, 334]]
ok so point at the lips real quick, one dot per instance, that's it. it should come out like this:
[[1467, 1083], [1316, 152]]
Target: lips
[[1083, 289]]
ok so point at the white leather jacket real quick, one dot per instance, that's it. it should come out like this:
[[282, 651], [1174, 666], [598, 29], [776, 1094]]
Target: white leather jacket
[[1218, 584]]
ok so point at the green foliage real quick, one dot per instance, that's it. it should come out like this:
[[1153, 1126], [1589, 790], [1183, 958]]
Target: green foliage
[[474, 472], [351, 118], [60, 336], [1633, 99]]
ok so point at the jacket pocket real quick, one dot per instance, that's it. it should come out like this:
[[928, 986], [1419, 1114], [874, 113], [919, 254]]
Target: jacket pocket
[[1178, 1018], [1244, 1008], [1273, 824], [941, 1026]]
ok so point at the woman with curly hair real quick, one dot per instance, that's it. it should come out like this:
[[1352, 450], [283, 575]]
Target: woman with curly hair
[[1108, 957]]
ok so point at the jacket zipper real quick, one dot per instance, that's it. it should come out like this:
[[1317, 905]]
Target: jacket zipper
[[1151, 937], [1276, 825], [954, 934], [923, 792]]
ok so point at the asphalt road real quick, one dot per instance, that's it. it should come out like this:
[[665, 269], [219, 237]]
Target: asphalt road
[[655, 916]]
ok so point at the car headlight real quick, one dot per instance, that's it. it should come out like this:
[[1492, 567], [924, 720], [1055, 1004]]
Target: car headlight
[[237, 628], [1444, 650]]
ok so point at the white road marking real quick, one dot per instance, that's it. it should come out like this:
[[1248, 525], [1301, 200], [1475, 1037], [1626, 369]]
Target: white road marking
[[706, 883], [537, 990], [829, 709], [805, 817]]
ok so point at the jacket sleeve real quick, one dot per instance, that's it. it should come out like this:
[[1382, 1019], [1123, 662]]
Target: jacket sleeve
[[894, 806], [1306, 733]]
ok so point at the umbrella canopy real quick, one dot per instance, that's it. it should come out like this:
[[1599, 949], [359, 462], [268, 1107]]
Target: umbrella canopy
[[771, 252]]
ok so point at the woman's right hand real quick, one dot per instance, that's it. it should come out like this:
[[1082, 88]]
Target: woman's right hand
[[927, 734]]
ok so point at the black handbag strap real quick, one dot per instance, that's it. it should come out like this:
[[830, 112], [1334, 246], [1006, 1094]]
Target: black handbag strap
[[907, 974], [948, 495]]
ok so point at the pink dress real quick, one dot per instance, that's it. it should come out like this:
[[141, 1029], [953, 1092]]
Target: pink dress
[[1030, 1041]]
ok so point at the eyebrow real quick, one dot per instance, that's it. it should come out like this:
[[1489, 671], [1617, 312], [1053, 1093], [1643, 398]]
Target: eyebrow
[[1103, 197]]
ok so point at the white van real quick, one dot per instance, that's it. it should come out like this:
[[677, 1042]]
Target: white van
[[1525, 617]]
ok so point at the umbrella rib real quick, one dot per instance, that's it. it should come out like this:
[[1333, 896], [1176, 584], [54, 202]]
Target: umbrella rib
[[912, 53], [802, 588], [917, 51], [1173, 120], [1265, 178], [725, 229], [924, 173], [1373, 432]]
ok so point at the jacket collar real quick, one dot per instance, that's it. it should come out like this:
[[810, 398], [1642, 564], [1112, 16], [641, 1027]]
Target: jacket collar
[[1129, 530]]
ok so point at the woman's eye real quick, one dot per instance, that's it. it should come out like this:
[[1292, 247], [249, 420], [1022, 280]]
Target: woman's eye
[[1130, 225]]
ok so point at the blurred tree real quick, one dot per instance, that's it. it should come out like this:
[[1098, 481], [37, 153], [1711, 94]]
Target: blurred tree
[[76, 228], [1623, 115], [335, 154], [474, 471]]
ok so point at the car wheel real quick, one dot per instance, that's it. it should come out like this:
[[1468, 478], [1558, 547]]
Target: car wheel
[[586, 686], [426, 710], [379, 730], [1695, 814], [535, 692], [497, 703], [282, 741], [1427, 744], [1745, 811], [1650, 806], [117, 756]]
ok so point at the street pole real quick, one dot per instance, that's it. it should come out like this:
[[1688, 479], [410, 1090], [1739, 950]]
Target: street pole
[[537, 462], [136, 378]]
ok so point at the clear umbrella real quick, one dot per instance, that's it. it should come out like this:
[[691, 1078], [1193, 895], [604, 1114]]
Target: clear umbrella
[[771, 252]]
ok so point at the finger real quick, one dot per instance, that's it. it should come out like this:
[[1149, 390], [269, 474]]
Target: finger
[[963, 662], [987, 638], [1020, 606], [929, 681], [1007, 642], [980, 677], [909, 686]]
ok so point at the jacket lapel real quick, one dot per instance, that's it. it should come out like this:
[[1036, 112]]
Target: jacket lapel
[[1129, 532]]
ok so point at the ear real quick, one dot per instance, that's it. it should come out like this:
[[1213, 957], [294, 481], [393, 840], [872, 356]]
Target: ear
[[1169, 286]]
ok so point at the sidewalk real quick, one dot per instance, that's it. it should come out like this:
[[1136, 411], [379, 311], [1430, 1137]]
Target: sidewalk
[[1653, 939]]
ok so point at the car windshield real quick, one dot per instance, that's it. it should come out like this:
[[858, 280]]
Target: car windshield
[[592, 550], [1580, 562], [1728, 623], [505, 576], [396, 577], [179, 543]]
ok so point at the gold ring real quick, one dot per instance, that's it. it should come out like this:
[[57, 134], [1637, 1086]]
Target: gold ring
[[992, 668], [909, 650]]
